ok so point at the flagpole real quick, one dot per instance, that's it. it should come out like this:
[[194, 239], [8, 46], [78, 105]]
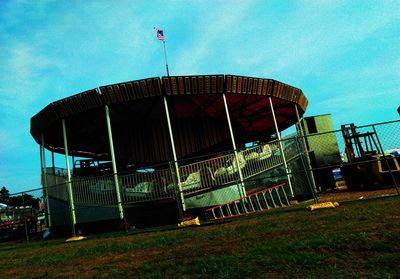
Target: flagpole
[[171, 136], [165, 56], [160, 36]]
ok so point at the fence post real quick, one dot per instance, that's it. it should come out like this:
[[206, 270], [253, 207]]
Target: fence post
[[25, 222], [306, 170], [386, 161], [299, 127]]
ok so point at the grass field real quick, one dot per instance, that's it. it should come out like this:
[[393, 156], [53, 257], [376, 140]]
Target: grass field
[[356, 240]]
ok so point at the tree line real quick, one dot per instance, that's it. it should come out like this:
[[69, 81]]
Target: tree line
[[18, 200]]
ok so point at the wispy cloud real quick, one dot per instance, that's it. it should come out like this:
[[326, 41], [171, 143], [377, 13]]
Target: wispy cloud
[[216, 28], [25, 73]]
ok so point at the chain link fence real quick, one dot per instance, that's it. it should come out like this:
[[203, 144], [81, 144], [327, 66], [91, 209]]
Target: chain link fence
[[24, 216], [359, 158], [353, 158]]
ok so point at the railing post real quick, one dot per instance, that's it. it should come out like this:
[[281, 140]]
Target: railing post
[[243, 189], [171, 137], [44, 179], [281, 147], [114, 165], [69, 187]]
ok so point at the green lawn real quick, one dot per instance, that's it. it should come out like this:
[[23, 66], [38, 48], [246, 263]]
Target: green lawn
[[357, 240]]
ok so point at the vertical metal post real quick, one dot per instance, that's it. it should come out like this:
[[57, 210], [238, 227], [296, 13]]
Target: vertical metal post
[[176, 191], [52, 163], [306, 169], [166, 61], [25, 221], [114, 165], [302, 135], [171, 137], [69, 186], [281, 148], [386, 161], [234, 146], [44, 180]]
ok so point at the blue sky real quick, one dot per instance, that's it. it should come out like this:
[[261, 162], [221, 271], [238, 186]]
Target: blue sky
[[344, 55]]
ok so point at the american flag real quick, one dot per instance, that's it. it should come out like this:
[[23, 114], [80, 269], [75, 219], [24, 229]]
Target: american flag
[[160, 34]]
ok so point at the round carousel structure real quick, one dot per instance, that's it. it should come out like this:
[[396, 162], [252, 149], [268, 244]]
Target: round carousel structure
[[173, 126]]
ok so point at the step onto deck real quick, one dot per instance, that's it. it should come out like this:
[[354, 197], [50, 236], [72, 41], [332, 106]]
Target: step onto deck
[[272, 197]]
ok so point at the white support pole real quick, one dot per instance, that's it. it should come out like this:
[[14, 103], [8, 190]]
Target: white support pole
[[281, 147], [234, 146], [171, 136], [114, 164], [302, 135], [69, 186], [44, 179]]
